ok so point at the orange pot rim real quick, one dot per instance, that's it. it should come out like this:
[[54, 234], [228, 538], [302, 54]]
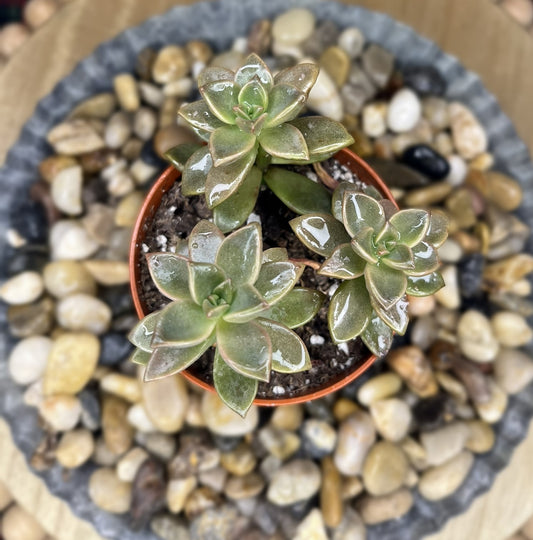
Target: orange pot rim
[[163, 183]]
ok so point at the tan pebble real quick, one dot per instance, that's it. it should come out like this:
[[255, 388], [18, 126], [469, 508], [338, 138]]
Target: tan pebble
[[379, 387], [504, 191], [128, 209], [199, 51], [244, 487], [481, 438], [200, 500], [511, 329], [239, 461], [177, 492], [337, 63], [412, 365], [452, 386], [402, 141], [420, 305], [415, 452], [362, 145], [138, 418], [108, 273], [293, 26], [71, 363], [435, 110], [476, 338], [17, 524], [84, 313], [443, 144], [123, 386], [69, 240], [75, 448], [460, 205], [37, 12], [171, 136], [221, 420], [194, 417], [312, 527], [22, 288], [12, 37], [75, 137], [66, 190], [118, 130], [392, 418], [99, 106], [324, 97], [483, 162], [99, 222], [62, 278], [384, 469], [61, 412], [142, 172], [278, 442], [108, 492], [214, 478], [118, 434], [492, 410], [295, 481], [5, 497], [130, 463], [131, 150], [127, 92], [343, 408], [427, 196], [287, 417], [468, 134], [505, 273], [441, 481], [444, 443], [331, 493], [145, 122], [170, 64], [374, 119], [513, 370], [51, 166], [375, 510], [351, 487]]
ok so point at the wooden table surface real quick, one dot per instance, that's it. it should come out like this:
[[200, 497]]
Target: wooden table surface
[[476, 31]]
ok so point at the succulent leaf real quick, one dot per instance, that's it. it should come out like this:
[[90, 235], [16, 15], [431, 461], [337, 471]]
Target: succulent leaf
[[411, 224], [180, 154], [361, 212], [323, 136], [438, 228], [228, 144], [401, 258], [167, 361], [204, 241], [182, 324], [377, 336], [253, 98], [196, 171], [203, 279], [140, 357], [424, 285], [321, 233], [363, 245], [246, 305], [385, 284], [338, 197], [298, 192], [296, 308], [284, 141], [289, 354], [214, 74], [254, 67], [426, 259], [276, 279], [239, 255], [395, 317], [234, 211], [221, 98], [170, 274], [235, 390], [284, 103], [142, 333], [349, 311], [276, 254], [246, 348], [302, 76], [199, 116], [343, 263]]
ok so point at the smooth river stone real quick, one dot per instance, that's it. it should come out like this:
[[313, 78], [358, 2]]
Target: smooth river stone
[[108, 273], [69, 240], [118, 434], [75, 448], [425, 80], [165, 401], [108, 492], [444, 443], [221, 420], [71, 363], [404, 111], [128, 388], [118, 130], [481, 437], [23, 288], [511, 329], [375, 510], [178, 490], [491, 411], [426, 160], [352, 41], [83, 312], [449, 296], [324, 97], [293, 27], [294, 482], [126, 90], [504, 191], [61, 412], [289, 417], [476, 337], [66, 190], [28, 359], [392, 418], [170, 64], [98, 106], [312, 527], [279, 443], [129, 464], [378, 63], [379, 387], [17, 524], [513, 370], [468, 134], [62, 278], [75, 137], [385, 468]]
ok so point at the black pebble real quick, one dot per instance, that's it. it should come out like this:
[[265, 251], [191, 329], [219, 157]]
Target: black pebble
[[118, 299], [471, 274], [90, 408], [29, 220], [149, 156], [424, 159], [29, 257], [425, 80], [115, 348], [429, 413]]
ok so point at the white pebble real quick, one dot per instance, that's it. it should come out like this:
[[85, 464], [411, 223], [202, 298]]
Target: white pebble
[[324, 97], [83, 312], [66, 190], [404, 111], [293, 26], [475, 335], [458, 170], [352, 41], [70, 240], [449, 295], [450, 251], [27, 360], [22, 288], [374, 119]]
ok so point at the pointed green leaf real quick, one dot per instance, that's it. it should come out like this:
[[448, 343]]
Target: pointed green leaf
[[182, 324], [221, 97], [246, 305], [388, 235], [179, 155], [225, 291], [296, 308], [426, 259], [253, 96], [276, 279], [438, 228], [302, 76], [284, 141], [363, 244], [349, 311], [214, 312], [385, 284], [214, 74], [240, 255], [284, 103], [203, 279], [298, 192], [204, 241], [377, 336], [167, 361], [140, 357], [289, 354], [170, 274], [400, 258], [344, 263], [338, 197], [396, 316], [359, 212], [236, 209], [412, 224], [141, 334], [424, 285], [199, 116], [235, 390], [228, 144], [195, 173], [224, 180], [321, 233], [254, 67], [322, 135], [246, 348], [275, 255]]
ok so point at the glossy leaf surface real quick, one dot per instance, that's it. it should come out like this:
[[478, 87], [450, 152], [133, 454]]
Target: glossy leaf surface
[[385, 284], [343, 263], [296, 308], [284, 141], [204, 241], [276, 279], [321, 233], [194, 175], [170, 274]]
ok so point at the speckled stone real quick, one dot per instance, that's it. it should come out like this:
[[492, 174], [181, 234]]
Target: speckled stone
[[170, 64]]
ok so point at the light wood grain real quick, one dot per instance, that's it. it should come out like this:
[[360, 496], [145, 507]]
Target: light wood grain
[[476, 31]]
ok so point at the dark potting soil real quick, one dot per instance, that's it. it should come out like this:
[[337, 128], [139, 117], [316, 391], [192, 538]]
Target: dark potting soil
[[176, 217]]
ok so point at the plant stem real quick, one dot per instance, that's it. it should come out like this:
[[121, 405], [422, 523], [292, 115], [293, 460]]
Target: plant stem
[[315, 265]]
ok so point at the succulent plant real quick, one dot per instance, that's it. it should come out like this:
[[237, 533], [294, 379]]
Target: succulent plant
[[226, 292], [249, 120], [380, 254]]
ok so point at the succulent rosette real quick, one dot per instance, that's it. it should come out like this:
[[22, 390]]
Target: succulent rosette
[[226, 292], [249, 120], [380, 254]]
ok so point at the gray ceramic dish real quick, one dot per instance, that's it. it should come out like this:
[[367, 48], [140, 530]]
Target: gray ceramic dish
[[219, 22]]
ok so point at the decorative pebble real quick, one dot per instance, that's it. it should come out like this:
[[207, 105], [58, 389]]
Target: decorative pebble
[[108, 492], [511, 329], [491, 411], [31, 319], [513, 370], [476, 338], [404, 111], [62, 412], [12, 37], [244, 487], [99, 222], [118, 434], [138, 418], [481, 437], [98, 106], [337, 63], [504, 191], [75, 137], [392, 418], [23, 288], [130, 463], [293, 26], [440, 482], [127, 93], [62, 278], [428, 196], [444, 443], [384, 469], [66, 190], [379, 387], [167, 137], [352, 41], [374, 119], [427, 161], [145, 122], [375, 510], [83, 312], [17, 524], [319, 437], [177, 492], [108, 273], [75, 448], [239, 461], [279, 443], [118, 130], [312, 527], [378, 63], [166, 401], [425, 80], [288, 417], [27, 361], [296, 481], [170, 64], [449, 296], [223, 421], [128, 388], [324, 97], [468, 134], [69, 240]]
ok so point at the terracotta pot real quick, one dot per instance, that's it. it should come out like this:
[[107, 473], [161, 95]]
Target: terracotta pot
[[150, 206]]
